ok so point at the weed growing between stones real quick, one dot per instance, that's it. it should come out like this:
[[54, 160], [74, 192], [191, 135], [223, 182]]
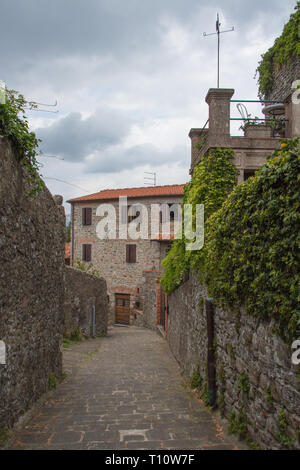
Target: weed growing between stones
[[269, 396], [244, 384], [196, 379], [52, 383], [4, 435], [282, 435]]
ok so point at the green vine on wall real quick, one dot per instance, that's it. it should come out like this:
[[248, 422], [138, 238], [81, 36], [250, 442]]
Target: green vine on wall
[[14, 126], [250, 255], [251, 243], [284, 49], [213, 179]]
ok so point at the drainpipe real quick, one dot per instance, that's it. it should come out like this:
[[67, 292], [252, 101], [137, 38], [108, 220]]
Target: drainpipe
[[211, 367], [94, 321]]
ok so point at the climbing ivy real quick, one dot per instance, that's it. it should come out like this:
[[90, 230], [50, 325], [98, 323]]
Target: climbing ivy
[[213, 179], [14, 126], [250, 255], [284, 49]]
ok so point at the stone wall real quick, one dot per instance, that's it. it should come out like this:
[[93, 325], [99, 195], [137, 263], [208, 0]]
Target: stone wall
[[85, 294], [255, 376], [31, 288], [148, 295]]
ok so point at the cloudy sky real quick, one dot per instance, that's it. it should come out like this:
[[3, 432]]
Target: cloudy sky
[[130, 79]]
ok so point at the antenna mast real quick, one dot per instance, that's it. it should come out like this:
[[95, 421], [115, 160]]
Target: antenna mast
[[218, 24]]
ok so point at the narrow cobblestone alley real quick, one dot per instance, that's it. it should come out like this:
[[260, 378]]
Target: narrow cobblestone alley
[[123, 391]]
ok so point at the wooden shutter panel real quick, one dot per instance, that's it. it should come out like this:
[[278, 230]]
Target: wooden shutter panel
[[133, 253], [88, 252], [88, 216], [130, 253], [127, 253]]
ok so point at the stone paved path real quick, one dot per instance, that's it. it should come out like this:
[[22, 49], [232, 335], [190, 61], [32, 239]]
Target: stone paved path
[[124, 391]]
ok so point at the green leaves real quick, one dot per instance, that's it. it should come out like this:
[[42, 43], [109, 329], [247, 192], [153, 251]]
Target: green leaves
[[284, 48], [16, 130], [251, 250], [252, 244], [213, 179]]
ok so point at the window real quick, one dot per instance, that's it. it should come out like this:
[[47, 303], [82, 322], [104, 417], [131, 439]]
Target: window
[[87, 216], [131, 217], [129, 213], [86, 252], [163, 215], [248, 174], [130, 253]]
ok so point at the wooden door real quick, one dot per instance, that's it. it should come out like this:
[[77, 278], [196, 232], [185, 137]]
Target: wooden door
[[123, 308]]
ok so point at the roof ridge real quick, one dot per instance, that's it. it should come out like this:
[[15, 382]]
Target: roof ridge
[[141, 187], [147, 190]]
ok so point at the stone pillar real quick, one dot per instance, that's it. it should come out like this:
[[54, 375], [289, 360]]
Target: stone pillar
[[196, 136], [218, 100], [292, 110]]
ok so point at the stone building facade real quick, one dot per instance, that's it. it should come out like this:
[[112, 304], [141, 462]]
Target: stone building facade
[[122, 262]]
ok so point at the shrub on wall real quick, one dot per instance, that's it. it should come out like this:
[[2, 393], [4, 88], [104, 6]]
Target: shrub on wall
[[284, 48], [213, 179], [14, 126], [251, 251]]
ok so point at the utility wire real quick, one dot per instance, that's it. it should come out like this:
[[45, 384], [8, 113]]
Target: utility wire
[[66, 182]]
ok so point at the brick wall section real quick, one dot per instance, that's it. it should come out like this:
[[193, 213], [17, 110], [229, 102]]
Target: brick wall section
[[83, 293], [245, 345], [31, 288]]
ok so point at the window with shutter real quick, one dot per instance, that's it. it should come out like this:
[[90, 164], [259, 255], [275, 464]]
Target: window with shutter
[[87, 216], [130, 253], [86, 252]]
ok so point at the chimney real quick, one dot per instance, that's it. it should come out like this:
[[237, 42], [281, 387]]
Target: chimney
[[218, 100]]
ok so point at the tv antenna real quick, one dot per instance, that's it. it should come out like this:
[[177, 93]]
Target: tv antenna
[[218, 33], [151, 179], [35, 106]]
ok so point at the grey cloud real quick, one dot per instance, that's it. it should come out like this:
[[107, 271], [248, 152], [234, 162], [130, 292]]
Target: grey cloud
[[39, 30], [73, 137], [115, 160]]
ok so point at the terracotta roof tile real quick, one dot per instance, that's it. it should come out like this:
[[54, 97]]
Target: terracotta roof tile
[[146, 191]]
